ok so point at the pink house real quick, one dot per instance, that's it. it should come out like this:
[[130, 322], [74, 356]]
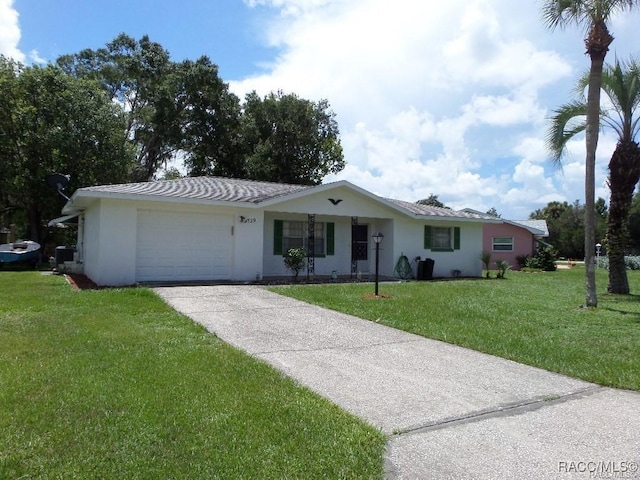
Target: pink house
[[512, 239]]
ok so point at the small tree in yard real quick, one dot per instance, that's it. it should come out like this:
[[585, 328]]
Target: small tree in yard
[[294, 260], [503, 266], [486, 259]]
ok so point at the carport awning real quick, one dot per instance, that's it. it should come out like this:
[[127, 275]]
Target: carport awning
[[61, 220]]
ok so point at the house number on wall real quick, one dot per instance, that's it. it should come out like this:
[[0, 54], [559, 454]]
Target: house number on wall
[[247, 219]]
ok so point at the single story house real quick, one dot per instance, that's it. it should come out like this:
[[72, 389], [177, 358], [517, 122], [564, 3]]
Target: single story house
[[512, 239], [214, 229]]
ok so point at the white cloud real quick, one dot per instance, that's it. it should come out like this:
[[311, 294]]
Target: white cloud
[[504, 111], [35, 57], [449, 98], [9, 31]]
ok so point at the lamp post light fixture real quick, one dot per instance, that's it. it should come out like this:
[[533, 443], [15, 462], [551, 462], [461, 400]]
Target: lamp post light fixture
[[377, 239], [598, 246]]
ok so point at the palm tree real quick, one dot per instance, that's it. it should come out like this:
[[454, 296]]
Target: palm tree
[[593, 15], [621, 85]]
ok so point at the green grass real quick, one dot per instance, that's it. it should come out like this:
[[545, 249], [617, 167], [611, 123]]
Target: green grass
[[115, 384], [532, 318]]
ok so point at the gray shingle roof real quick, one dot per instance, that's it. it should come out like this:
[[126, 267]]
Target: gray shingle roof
[[427, 210], [244, 191], [204, 188], [537, 224]]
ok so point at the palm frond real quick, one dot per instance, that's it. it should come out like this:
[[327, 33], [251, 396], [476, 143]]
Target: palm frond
[[580, 90], [566, 122], [613, 124], [621, 84], [559, 13], [584, 13]]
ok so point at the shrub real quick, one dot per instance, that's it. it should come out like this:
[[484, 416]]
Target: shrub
[[544, 259], [603, 262], [295, 260], [522, 260], [631, 261]]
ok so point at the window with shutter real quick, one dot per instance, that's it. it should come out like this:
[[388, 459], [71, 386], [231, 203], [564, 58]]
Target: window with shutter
[[441, 239], [294, 234]]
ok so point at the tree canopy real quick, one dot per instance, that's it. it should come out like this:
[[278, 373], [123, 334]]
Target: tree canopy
[[185, 111], [290, 140], [432, 201], [565, 222], [493, 212], [170, 107], [121, 113], [51, 122]]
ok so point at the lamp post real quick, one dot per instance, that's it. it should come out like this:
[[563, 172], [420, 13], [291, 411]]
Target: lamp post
[[598, 246], [377, 239]]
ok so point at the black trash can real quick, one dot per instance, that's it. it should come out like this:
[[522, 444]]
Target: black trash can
[[425, 269]]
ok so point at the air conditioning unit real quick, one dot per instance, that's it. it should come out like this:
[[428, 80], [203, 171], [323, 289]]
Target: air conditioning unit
[[63, 254]]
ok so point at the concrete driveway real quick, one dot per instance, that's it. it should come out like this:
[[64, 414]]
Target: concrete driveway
[[450, 412]]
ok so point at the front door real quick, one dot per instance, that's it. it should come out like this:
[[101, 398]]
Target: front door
[[359, 247]]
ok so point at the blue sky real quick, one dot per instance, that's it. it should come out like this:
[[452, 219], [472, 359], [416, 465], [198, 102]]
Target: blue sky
[[448, 99]]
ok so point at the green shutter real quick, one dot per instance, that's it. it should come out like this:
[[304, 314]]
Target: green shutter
[[277, 237], [427, 237], [331, 231], [456, 238]]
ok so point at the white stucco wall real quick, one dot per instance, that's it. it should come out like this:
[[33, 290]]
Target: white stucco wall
[[248, 241], [409, 240], [91, 242], [109, 243], [110, 239]]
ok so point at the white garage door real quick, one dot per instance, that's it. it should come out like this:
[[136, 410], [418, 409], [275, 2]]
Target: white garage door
[[183, 246]]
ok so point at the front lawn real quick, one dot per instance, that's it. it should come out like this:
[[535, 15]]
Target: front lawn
[[115, 384], [532, 318]]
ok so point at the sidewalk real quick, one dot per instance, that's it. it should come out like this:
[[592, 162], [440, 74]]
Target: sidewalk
[[449, 412]]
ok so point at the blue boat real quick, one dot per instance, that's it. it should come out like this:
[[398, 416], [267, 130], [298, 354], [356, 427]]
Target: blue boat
[[19, 252]]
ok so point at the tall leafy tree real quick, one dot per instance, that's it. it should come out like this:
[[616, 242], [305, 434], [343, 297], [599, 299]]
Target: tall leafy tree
[[212, 141], [139, 76], [593, 15], [621, 86], [289, 139], [565, 222], [174, 110], [185, 111], [51, 122]]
